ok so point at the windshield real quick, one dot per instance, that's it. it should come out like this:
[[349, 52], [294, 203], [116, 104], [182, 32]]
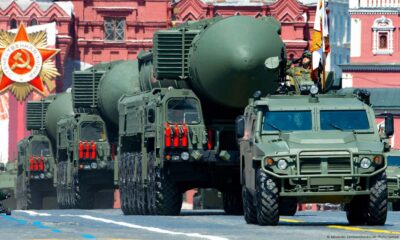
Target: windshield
[[40, 148], [92, 131], [183, 111], [344, 120], [287, 121]]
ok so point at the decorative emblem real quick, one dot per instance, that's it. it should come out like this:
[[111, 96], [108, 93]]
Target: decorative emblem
[[25, 63]]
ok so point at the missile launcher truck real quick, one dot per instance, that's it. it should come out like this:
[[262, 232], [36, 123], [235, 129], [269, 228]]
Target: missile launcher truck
[[37, 154], [177, 132], [177, 106], [317, 148]]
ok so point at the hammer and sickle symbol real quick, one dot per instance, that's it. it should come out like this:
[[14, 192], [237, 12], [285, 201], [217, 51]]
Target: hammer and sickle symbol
[[20, 62]]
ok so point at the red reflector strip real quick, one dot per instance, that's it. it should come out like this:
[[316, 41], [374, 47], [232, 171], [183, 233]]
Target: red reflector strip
[[167, 135], [80, 150], [176, 135], [41, 166], [87, 150], [185, 136], [37, 164], [31, 164], [93, 150], [210, 139]]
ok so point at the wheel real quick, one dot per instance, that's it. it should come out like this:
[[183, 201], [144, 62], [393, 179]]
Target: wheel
[[151, 186], [61, 186], [29, 196], [141, 190], [131, 185], [232, 202], [396, 206], [122, 171], [249, 210], [377, 205], [287, 206], [81, 194], [168, 198], [356, 210], [267, 196]]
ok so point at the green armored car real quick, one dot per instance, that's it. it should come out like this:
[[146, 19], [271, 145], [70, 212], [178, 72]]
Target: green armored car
[[317, 148], [393, 180]]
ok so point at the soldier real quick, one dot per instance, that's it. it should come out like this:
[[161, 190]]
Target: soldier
[[299, 77]]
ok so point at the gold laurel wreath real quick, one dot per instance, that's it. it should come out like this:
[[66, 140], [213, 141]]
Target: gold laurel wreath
[[48, 72]]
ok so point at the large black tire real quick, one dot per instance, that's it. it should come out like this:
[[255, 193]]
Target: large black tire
[[249, 210], [356, 210], [28, 196], [61, 186], [168, 198], [232, 202], [151, 186], [141, 190], [81, 196], [287, 206], [132, 189], [122, 184], [396, 206], [267, 195], [378, 199]]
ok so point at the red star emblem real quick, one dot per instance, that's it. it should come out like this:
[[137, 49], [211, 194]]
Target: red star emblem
[[23, 63]]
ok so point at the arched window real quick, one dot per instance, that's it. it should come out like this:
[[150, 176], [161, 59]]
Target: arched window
[[33, 22], [382, 42], [13, 24]]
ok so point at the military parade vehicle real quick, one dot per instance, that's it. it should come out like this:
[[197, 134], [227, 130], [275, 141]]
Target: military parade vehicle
[[316, 148], [178, 132], [393, 179], [37, 163], [8, 178], [35, 172]]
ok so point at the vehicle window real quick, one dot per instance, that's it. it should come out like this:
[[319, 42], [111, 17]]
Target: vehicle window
[[92, 131], [287, 121], [344, 120], [40, 148], [183, 110]]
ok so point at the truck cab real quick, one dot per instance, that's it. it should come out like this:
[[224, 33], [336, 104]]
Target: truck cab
[[166, 149], [83, 140], [85, 163], [35, 172], [319, 149]]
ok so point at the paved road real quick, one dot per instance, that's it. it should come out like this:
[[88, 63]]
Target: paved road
[[211, 225]]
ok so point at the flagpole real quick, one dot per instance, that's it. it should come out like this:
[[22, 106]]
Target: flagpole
[[323, 45]]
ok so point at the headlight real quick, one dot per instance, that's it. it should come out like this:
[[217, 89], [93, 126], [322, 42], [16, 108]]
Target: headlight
[[365, 163], [41, 176], [175, 158], [314, 89], [93, 165], [282, 164], [185, 156]]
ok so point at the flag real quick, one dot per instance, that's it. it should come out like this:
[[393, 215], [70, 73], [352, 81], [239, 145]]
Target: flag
[[320, 37]]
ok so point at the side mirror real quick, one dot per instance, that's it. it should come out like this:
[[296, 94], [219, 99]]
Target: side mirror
[[151, 115], [389, 125], [2, 167], [239, 123]]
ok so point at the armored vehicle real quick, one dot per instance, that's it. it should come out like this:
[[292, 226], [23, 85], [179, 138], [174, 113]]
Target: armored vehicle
[[393, 179], [177, 132], [8, 178], [35, 172], [36, 160], [317, 148]]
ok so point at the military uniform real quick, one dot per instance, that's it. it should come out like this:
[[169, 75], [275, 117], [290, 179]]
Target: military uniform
[[299, 79]]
